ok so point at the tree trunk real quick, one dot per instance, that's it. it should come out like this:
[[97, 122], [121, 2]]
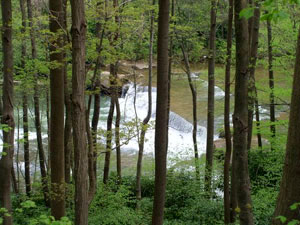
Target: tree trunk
[[240, 117], [257, 121], [57, 113], [229, 204], [6, 161], [194, 97], [271, 84], [78, 111], [211, 99], [252, 65], [68, 106], [108, 140], [161, 125], [37, 109], [117, 141], [25, 107], [148, 116], [289, 188]]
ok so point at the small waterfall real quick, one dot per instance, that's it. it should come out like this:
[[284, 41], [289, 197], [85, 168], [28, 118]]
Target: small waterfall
[[180, 130]]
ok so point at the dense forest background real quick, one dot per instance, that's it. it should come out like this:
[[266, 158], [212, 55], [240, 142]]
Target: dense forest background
[[138, 112]]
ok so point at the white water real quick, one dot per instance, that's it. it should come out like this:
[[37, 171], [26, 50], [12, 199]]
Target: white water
[[180, 130]]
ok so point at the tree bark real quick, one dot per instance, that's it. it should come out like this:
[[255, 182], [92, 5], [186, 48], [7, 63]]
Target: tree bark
[[161, 125], [78, 111], [57, 112], [25, 106], [108, 140], [240, 117], [211, 99], [6, 161], [68, 106], [194, 97], [252, 65], [271, 84], [37, 109], [289, 188], [148, 116], [229, 202], [117, 141], [257, 122]]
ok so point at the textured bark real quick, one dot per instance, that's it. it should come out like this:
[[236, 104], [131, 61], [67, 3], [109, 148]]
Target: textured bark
[[37, 109], [289, 188], [211, 99], [229, 201], [6, 161], [161, 125], [108, 140], [148, 116], [252, 65], [240, 117], [271, 83], [25, 107], [78, 111], [68, 106], [194, 97], [57, 113], [117, 141], [14, 181], [257, 116]]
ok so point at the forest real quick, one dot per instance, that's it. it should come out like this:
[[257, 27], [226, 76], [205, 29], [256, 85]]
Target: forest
[[137, 112]]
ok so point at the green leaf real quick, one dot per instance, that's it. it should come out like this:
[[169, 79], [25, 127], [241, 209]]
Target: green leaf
[[28, 204], [281, 218], [293, 222], [294, 206], [247, 13]]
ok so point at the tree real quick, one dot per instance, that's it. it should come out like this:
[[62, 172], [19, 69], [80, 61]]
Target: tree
[[252, 92], [161, 125], [149, 112], [36, 100], [57, 111], [211, 98], [271, 83], [25, 106], [194, 97], [78, 31], [289, 194], [68, 104], [228, 202], [240, 117], [7, 120]]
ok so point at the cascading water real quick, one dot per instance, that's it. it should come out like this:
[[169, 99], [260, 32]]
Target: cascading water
[[180, 130]]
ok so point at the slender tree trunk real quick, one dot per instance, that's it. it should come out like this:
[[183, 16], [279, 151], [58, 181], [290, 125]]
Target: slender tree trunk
[[257, 122], [211, 99], [271, 84], [68, 106], [57, 113], [25, 107], [161, 125], [117, 141], [252, 65], [194, 97], [78, 112], [108, 140], [148, 116], [96, 114], [229, 201], [6, 161], [37, 109], [289, 188], [240, 117], [14, 181]]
